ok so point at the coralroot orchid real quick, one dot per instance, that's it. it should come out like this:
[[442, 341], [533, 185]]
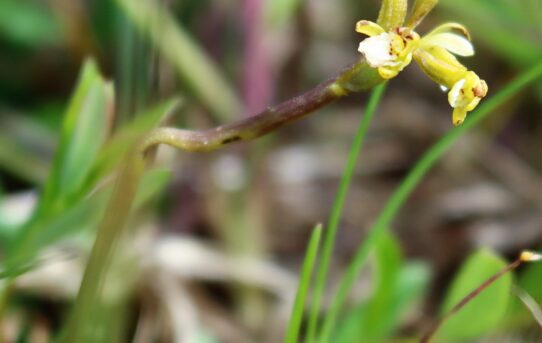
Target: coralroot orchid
[[393, 43]]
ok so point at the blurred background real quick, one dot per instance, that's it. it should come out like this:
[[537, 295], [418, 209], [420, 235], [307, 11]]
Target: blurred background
[[220, 237]]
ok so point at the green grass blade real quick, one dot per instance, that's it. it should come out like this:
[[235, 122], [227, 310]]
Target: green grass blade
[[89, 321], [294, 324], [333, 224], [407, 186], [191, 62]]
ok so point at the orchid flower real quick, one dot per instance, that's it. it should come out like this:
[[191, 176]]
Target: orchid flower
[[392, 43]]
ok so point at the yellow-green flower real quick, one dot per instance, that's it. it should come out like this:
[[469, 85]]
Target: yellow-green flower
[[392, 43]]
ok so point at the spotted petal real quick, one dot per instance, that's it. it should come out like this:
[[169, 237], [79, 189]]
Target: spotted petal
[[376, 50]]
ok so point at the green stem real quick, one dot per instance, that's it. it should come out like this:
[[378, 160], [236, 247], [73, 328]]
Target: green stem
[[407, 186], [333, 224], [90, 301], [292, 334]]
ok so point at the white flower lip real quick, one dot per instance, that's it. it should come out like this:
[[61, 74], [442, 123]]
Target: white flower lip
[[454, 97], [455, 44], [376, 50]]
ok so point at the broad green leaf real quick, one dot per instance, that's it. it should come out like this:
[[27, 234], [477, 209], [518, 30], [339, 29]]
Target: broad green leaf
[[411, 285], [85, 128], [485, 311], [531, 279], [396, 287], [529, 282], [370, 320], [377, 320], [192, 64]]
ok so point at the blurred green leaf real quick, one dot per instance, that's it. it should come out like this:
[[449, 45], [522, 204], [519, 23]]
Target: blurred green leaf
[[411, 285], [71, 202], [86, 214], [21, 162], [191, 62], [529, 282], [126, 137], [25, 146], [82, 216], [28, 23], [395, 288], [486, 310], [152, 184], [84, 130]]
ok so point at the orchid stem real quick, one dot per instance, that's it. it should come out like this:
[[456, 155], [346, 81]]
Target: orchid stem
[[356, 78]]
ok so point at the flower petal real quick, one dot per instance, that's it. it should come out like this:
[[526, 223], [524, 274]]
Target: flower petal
[[472, 105], [453, 43], [451, 28], [455, 96], [387, 73], [369, 28], [376, 50]]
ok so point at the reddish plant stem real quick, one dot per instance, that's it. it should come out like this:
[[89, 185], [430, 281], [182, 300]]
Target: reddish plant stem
[[250, 127]]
